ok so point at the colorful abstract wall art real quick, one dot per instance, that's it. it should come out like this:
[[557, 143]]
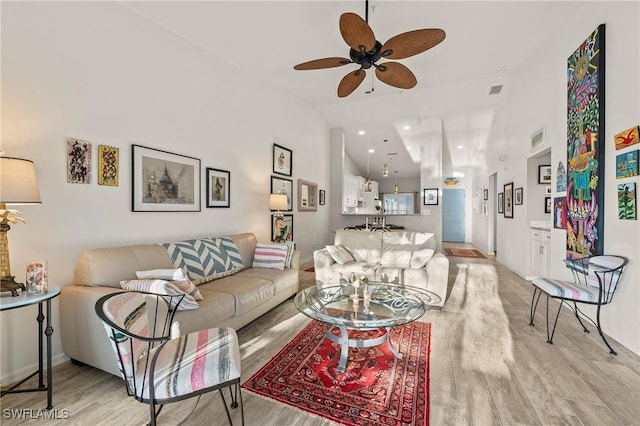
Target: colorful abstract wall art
[[585, 147], [561, 178], [560, 213], [627, 207], [627, 138], [627, 164]]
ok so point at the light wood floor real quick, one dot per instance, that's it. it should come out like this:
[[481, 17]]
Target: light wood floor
[[488, 367]]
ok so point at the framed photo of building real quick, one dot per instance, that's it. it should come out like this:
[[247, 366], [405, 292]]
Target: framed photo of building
[[218, 188], [544, 174], [282, 160], [163, 181], [283, 186]]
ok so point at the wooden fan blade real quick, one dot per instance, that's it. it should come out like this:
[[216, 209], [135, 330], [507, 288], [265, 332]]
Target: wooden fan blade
[[356, 32], [350, 82], [412, 42], [322, 63], [395, 74]]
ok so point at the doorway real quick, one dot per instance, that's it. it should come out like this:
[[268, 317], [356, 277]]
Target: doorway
[[453, 215]]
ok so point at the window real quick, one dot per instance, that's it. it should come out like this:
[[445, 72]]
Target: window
[[400, 203]]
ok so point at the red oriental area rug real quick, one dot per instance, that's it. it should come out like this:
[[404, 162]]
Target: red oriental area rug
[[464, 253], [376, 388]]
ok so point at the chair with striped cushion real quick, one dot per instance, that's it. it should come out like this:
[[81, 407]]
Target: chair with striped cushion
[[595, 280], [158, 369]]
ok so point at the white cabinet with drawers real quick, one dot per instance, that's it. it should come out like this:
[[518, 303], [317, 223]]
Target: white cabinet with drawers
[[540, 245]]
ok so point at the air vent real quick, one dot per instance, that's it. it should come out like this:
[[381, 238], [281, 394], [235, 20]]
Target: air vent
[[494, 90], [392, 153]]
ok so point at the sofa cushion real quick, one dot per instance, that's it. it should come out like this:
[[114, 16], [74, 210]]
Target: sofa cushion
[[398, 248], [216, 307], [365, 246], [271, 256], [176, 277], [419, 258], [162, 287], [340, 254], [204, 259], [249, 292], [282, 280]]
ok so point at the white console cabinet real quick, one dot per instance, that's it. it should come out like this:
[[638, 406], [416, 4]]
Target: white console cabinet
[[540, 253]]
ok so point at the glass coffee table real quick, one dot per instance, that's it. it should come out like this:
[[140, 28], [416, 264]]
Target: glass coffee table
[[364, 307]]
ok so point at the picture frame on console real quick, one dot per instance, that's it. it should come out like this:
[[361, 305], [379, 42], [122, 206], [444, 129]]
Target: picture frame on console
[[282, 160], [163, 181], [283, 186], [218, 188]]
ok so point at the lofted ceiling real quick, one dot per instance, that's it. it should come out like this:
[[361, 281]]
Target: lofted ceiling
[[486, 44]]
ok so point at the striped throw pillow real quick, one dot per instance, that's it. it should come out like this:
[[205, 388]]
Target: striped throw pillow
[[340, 254], [175, 277], [161, 287], [272, 256]]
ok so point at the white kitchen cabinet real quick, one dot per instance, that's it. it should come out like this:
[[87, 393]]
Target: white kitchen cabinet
[[540, 252]]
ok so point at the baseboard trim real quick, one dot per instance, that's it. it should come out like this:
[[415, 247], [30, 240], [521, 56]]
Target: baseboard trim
[[15, 376]]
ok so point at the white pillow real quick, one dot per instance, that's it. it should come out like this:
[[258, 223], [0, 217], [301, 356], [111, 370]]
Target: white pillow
[[419, 258], [340, 254], [175, 277], [162, 287], [271, 256]]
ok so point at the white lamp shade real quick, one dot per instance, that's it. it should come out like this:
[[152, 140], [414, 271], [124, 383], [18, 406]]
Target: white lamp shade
[[278, 202], [18, 183]]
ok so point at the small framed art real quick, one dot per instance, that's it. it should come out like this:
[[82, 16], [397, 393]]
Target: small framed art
[[218, 188], [547, 204], [431, 197], [283, 186], [108, 165], [307, 196], [163, 181], [282, 160], [282, 228], [508, 200], [544, 174], [485, 194], [500, 203], [321, 197], [518, 197]]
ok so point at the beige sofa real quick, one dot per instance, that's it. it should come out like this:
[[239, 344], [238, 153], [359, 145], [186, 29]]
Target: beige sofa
[[231, 301], [386, 257]]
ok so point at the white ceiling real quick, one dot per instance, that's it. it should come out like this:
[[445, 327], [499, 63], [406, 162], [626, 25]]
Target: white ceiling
[[486, 44]]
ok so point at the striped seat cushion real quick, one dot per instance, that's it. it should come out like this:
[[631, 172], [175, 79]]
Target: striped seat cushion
[[567, 290], [272, 256], [191, 363]]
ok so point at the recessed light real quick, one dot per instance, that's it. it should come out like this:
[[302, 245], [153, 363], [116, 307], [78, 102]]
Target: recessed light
[[460, 146], [407, 127], [361, 132], [408, 147], [371, 151]]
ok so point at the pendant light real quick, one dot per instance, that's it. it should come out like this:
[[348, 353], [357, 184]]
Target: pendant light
[[395, 187], [385, 168]]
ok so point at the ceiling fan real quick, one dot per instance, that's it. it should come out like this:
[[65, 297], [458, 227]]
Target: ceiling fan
[[366, 51]]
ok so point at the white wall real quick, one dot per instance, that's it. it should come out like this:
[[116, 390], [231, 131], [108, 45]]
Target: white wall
[[99, 72], [538, 97]]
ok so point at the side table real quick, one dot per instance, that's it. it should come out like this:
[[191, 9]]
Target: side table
[[8, 303]]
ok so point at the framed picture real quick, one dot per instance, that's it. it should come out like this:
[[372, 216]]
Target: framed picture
[[508, 200], [627, 208], [78, 161], [485, 194], [518, 197], [108, 165], [218, 188], [163, 181], [431, 197], [282, 162], [560, 213], [547, 190], [321, 197], [538, 139], [544, 174], [282, 228], [627, 138], [307, 196], [283, 186], [627, 164], [547, 204], [500, 203]]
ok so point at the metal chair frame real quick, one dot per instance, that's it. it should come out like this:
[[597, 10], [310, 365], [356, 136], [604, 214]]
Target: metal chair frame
[[157, 343], [580, 270]]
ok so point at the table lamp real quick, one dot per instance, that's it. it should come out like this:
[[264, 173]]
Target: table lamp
[[278, 202], [18, 186]]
